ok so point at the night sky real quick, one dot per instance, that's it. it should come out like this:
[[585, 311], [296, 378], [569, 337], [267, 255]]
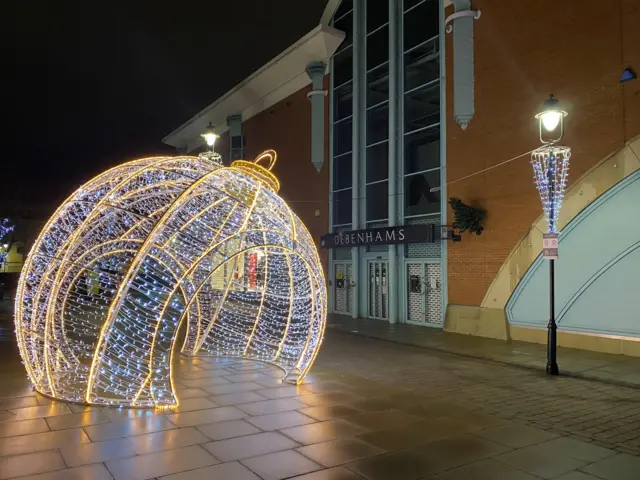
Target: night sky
[[87, 85]]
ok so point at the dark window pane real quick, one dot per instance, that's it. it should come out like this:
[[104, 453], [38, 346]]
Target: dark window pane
[[342, 171], [377, 14], [342, 137], [237, 141], [378, 85], [410, 3], [345, 25], [378, 48], [418, 197], [377, 201], [421, 65], [343, 101], [378, 124], [422, 150], [342, 207], [343, 66], [422, 107], [378, 162], [421, 23], [345, 6]]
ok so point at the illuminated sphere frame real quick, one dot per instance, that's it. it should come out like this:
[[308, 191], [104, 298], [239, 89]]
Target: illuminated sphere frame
[[151, 245]]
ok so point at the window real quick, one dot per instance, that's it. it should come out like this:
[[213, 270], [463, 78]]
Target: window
[[345, 24], [378, 124], [422, 150], [342, 171], [342, 137], [378, 162], [421, 23], [343, 101], [419, 199], [378, 48], [345, 7], [422, 107], [377, 14], [342, 207], [343, 67], [377, 201], [378, 85], [422, 65]]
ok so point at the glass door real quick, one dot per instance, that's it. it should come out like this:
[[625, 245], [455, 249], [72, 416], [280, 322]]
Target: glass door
[[377, 291], [343, 288]]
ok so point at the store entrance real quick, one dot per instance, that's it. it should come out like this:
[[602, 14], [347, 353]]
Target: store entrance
[[377, 290], [343, 288]]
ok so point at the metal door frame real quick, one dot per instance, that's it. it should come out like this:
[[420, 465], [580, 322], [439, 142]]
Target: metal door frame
[[348, 265], [423, 262], [379, 261]]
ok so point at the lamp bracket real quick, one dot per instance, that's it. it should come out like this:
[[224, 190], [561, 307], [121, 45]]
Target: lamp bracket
[[464, 13]]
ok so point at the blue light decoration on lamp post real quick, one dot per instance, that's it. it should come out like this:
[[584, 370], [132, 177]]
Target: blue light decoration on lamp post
[[550, 169]]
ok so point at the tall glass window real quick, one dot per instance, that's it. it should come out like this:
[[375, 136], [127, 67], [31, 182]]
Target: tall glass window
[[342, 102], [377, 113], [421, 107]]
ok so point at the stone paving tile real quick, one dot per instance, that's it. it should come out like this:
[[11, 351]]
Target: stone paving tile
[[231, 429], [277, 421], [237, 398], [340, 451], [21, 465], [155, 442], [92, 472], [202, 417], [223, 471], [322, 431], [167, 462], [249, 446], [279, 465], [486, 470], [128, 428], [29, 413], [618, 467], [515, 435], [337, 473], [75, 455], [329, 412], [271, 406], [24, 427], [540, 461], [75, 420], [38, 442]]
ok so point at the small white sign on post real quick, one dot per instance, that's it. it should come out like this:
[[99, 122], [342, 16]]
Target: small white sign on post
[[550, 246]]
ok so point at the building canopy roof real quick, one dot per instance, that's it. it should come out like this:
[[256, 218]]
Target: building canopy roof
[[275, 81]]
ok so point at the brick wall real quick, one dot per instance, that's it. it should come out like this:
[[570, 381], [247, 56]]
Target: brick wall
[[574, 49], [286, 128]]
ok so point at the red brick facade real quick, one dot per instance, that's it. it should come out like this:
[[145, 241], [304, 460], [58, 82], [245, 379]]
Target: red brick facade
[[286, 128], [576, 50]]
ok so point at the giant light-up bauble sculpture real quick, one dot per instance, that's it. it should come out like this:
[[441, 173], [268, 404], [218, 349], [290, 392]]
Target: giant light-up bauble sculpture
[[153, 245]]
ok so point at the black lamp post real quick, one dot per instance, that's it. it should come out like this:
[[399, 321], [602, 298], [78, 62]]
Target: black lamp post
[[551, 167]]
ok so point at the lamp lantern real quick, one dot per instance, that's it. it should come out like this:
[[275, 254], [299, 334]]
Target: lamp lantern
[[210, 136], [551, 121]]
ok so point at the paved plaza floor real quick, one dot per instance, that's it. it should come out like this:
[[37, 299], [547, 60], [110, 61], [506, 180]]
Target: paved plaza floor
[[369, 409]]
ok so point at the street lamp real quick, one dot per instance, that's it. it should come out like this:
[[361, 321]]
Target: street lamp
[[551, 169], [210, 136]]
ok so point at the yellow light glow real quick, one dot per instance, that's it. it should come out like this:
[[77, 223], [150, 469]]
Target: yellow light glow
[[154, 244]]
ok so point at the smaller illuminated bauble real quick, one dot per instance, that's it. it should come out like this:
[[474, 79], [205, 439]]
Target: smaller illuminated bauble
[[155, 247]]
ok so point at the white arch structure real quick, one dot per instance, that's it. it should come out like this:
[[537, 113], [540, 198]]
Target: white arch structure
[[155, 243]]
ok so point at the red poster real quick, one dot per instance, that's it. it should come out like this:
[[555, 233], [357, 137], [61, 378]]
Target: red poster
[[251, 269]]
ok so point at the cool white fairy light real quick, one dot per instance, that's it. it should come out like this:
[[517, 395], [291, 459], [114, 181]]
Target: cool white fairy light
[[550, 170], [154, 244]]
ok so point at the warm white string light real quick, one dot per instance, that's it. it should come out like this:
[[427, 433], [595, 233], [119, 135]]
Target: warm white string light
[[551, 170], [154, 244]]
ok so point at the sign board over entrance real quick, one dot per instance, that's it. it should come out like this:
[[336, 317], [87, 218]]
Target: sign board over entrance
[[550, 246], [380, 236]]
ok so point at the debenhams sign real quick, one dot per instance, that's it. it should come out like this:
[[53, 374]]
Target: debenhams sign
[[379, 236]]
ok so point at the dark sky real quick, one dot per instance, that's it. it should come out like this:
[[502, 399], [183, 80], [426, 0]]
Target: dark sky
[[90, 84]]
